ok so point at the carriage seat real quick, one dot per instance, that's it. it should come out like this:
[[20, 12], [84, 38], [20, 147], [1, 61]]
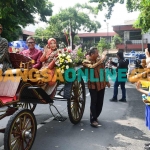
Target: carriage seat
[[5, 100], [20, 61], [8, 89], [9, 86]]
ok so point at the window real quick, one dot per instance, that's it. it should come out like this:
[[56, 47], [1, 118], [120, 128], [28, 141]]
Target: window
[[135, 35], [87, 39], [97, 39]]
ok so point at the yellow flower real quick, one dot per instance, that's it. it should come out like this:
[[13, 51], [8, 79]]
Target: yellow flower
[[62, 71], [68, 57], [59, 55], [70, 60]]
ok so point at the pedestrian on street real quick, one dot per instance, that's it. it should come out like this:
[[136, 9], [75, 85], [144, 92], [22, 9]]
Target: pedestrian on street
[[96, 89], [122, 68]]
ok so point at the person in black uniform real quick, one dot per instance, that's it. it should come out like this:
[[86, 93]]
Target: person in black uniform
[[122, 69]]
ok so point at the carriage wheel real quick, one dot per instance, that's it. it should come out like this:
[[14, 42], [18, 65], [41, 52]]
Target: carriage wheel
[[20, 131], [29, 106], [76, 103]]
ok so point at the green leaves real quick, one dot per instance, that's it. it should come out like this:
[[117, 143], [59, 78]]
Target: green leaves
[[143, 6], [77, 17], [117, 39], [103, 44], [16, 13]]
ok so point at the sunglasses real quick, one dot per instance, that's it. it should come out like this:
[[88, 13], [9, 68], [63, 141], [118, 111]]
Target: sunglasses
[[30, 42]]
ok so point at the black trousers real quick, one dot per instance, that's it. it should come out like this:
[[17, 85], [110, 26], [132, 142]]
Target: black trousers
[[97, 98]]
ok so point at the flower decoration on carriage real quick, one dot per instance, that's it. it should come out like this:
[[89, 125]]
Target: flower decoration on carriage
[[64, 60], [78, 55]]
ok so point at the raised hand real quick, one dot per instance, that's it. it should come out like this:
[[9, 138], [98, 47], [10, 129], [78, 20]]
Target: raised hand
[[138, 85], [45, 50]]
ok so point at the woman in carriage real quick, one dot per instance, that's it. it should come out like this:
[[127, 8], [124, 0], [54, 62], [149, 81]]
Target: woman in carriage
[[48, 59]]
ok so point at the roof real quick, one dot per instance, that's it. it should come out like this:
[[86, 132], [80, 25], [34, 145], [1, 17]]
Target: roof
[[28, 32], [131, 25], [124, 28], [96, 34]]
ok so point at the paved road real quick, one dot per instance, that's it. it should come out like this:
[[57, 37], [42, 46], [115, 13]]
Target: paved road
[[122, 126]]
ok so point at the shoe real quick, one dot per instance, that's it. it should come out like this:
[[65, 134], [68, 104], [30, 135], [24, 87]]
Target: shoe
[[97, 121], [122, 100], [94, 124], [113, 100], [147, 147]]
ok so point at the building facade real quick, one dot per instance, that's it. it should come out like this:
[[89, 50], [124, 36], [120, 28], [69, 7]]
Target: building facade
[[95, 37], [25, 35], [132, 39]]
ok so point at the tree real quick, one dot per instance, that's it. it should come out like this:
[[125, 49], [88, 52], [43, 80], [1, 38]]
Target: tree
[[143, 6], [116, 40], [41, 36], [88, 44], [76, 39], [76, 17], [15, 14], [103, 44], [143, 20]]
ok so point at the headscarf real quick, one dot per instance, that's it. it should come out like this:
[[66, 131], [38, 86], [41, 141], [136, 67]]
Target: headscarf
[[51, 39]]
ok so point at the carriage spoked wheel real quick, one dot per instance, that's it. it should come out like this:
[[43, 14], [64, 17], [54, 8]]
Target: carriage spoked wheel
[[76, 103], [20, 131]]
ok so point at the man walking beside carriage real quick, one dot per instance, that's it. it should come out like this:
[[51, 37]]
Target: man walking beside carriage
[[96, 89]]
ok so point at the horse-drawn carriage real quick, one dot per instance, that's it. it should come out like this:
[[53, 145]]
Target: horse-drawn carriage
[[15, 93]]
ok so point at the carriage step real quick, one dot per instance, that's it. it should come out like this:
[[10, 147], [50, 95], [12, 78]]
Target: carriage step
[[60, 118]]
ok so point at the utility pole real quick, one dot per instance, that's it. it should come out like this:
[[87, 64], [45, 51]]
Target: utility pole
[[70, 33], [126, 46], [107, 37]]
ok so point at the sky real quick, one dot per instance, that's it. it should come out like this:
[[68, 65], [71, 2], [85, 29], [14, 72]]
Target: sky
[[118, 17]]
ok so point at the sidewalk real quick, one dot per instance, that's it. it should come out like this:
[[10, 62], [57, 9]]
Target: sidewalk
[[133, 132]]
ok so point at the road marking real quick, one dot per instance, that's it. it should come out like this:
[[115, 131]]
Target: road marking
[[46, 121], [87, 94], [42, 124], [58, 96], [39, 126], [49, 120]]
